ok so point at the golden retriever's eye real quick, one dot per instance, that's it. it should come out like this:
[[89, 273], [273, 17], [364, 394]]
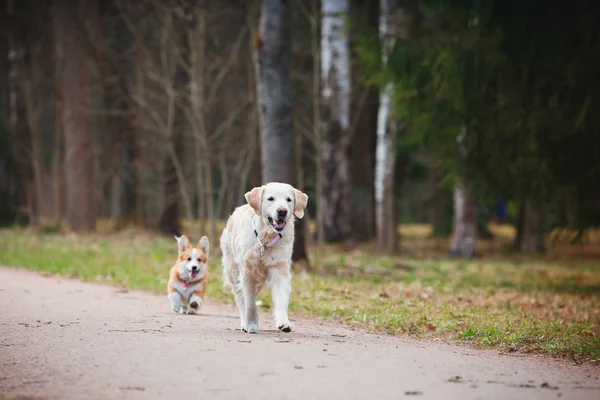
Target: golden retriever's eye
[[199, 260], [189, 258], [271, 198], [289, 200]]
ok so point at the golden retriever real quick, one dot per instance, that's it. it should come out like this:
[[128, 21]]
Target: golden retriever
[[257, 250]]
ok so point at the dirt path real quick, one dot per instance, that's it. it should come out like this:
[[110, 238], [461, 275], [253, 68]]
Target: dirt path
[[63, 339]]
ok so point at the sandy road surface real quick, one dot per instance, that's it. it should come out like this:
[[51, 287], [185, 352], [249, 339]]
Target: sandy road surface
[[63, 339]]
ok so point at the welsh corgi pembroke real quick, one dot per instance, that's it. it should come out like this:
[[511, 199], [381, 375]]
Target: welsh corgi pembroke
[[189, 276]]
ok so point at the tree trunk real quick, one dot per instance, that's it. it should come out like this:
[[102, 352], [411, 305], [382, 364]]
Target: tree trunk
[[57, 171], [436, 209], [4, 66], [392, 20], [335, 117], [365, 105], [37, 159], [301, 225], [123, 153], [385, 156], [533, 234], [272, 59], [315, 40], [33, 112], [77, 122], [5, 200], [20, 189], [465, 223], [392, 208]]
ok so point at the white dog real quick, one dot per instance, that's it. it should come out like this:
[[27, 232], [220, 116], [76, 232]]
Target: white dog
[[257, 250]]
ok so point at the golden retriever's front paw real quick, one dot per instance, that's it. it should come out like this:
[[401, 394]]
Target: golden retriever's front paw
[[252, 328]]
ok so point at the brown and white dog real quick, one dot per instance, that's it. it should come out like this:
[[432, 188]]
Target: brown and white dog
[[189, 276], [257, 250]]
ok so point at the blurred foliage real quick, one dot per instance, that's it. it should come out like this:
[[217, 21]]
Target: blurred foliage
[[518, 79]]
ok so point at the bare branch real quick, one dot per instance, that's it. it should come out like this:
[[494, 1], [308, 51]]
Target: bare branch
[[225, 69]]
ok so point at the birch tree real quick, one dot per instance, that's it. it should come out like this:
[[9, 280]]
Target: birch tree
[[465, 222], [393, 23], [335, 117], [385, 159], [465, 212], [272, 59]]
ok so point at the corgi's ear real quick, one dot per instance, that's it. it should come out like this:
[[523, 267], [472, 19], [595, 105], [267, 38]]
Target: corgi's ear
[[203, 245], [254, 198], [300, 202], [182, 243]]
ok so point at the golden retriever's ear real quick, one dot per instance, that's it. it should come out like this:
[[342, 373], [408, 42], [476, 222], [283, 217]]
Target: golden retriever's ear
[[254, 197], [203, 244], [182, 243], [300, 202]]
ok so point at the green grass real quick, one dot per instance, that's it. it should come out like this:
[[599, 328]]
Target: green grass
[[508, 303]]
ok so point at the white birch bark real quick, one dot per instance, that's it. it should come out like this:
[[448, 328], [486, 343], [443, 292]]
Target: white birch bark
[[336, 92], [465, 213], [385, 153], [335, 59], [465, 227]]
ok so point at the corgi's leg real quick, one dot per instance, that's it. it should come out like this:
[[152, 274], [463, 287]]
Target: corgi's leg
[[195, 303], [184, 309], [175, 299], [281, 289]]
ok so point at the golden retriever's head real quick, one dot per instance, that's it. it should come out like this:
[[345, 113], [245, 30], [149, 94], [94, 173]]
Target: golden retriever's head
[[277, 202], [192, 260]]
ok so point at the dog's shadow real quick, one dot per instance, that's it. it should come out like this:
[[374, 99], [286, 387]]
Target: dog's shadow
[[213, 315], [263, 332]]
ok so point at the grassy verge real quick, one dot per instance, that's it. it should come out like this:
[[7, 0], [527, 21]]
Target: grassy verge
[[513, 304]]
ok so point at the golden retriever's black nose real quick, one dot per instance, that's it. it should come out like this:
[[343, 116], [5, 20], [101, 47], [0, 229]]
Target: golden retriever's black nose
[[194, 268], [281, 213]]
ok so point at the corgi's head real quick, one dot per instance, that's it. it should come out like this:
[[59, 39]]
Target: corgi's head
[[192, 260]]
